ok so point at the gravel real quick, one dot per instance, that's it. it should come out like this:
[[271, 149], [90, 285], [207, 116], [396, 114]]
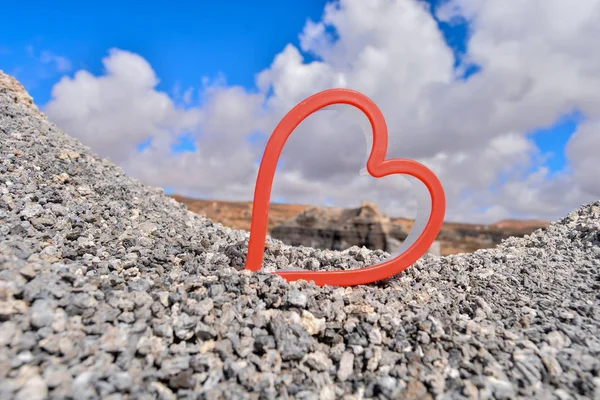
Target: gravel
[[110, 289]]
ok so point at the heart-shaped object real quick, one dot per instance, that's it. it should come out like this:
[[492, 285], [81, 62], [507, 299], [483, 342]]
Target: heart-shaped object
[[377, 166]]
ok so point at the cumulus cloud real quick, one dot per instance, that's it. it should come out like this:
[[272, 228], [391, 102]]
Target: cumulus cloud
[[223, 166], [583, 153], [114, 112], [474, 133]]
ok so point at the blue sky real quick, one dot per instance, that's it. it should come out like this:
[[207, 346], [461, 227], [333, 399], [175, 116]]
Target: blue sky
[[183, 43]]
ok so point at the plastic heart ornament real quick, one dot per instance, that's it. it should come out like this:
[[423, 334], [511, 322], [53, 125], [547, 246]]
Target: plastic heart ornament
[[377, 167]]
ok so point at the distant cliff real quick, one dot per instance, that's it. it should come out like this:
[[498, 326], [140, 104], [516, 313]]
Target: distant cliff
[[339, 228], [292, 224]]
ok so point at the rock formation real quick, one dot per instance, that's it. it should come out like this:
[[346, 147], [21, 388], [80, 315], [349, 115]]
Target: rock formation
[[339, 229]]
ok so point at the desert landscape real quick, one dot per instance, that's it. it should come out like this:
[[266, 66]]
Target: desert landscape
[[454, 238]]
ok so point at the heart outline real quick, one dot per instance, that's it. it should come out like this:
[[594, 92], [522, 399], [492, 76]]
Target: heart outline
[[377, 166]]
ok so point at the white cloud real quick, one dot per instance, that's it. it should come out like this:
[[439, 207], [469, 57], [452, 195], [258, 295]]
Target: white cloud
[[188, 96], [473, 134], [583, 152], [115, 112], [58, 63], [61, 63]]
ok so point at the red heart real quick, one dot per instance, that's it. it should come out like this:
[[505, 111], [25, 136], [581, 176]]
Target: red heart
[[377, 166]]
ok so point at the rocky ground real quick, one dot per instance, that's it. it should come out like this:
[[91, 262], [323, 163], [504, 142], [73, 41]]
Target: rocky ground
[[110, 289]]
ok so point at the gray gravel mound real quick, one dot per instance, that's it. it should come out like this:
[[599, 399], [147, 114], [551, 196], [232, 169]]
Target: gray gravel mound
[[110, 289]]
